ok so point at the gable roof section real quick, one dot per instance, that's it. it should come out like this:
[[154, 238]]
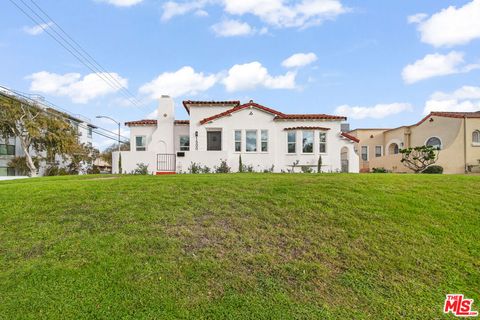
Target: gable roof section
[[350, 137], [450, 115], [278, 115], [226, 103], [150, 122]]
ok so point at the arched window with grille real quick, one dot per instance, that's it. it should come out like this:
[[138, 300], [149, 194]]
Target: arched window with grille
[[434, 142], [476, 137]]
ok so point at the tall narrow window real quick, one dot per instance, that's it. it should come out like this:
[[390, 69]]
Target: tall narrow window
[[307, 142], [238, 140], [365, 153], [378, 151], [184, 143], [141, 143], [292, 142], [251, 139], [264, 135], [476, 137], [323, 142]]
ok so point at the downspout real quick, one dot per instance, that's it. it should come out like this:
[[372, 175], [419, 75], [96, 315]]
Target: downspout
[[465, 142]]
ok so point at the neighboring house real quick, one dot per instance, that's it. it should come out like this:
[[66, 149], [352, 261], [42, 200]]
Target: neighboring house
[[225, 130], [457, 134], [11, 148], [102, 165]]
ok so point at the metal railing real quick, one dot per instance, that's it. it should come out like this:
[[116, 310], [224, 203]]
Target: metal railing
[[166, 162]]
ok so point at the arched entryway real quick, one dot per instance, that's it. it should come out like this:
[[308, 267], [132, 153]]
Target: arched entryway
[[393, 148], [344, 159]]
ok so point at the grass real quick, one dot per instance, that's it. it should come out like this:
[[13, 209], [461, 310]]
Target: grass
[[238, 246]]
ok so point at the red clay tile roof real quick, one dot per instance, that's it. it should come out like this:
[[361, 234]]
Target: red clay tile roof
[[306, 128], [150, 122], [349, 136], [278, 115], [310, 117], [450, 115], [226, 103], [147, 122]]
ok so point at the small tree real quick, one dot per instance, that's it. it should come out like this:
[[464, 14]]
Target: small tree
[[142, 169], [319, 164], [419, 158], [240, 164]]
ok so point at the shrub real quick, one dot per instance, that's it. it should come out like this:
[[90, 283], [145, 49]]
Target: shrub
[[205, 169], [55, 170], [379, 170], [249, 168], [142, 169], [269, 170], [306, 169], [241, 167], [433, 170], [223, 168], [194, 168], [319, 164]]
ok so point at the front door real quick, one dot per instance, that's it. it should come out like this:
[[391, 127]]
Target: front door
[[214, 140]]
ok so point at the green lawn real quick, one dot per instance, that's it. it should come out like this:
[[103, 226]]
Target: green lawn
[[243, 246]]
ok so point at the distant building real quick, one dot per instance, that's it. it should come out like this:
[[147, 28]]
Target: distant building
[[263, 137], [457, 134]]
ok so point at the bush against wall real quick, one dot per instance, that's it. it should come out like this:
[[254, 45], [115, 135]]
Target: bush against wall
[[223, 167], [433, 170]]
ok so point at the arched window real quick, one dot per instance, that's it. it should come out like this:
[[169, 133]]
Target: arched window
[[393, 148], [476, 137], [434, 142]]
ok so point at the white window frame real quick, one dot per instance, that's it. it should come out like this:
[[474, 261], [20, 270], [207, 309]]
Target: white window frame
[[361, 153], [320, 143], [441, 142], [137, 146], [313, 141], [476, 143], [235, 141], [185, 148], [294, 142], [256, 140], [264, 141], [381, 151]]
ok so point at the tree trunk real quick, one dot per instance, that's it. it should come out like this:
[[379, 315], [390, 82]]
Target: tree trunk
[[28, 158]]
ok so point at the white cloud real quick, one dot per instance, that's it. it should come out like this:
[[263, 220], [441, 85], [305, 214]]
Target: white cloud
[[277, 13], [299, 60], [251, 75], [38, 29], [452, 26], [122, 3], [172, 9], [435, 65], [73, 86], [378, 111], [466, 98], [417, 18], [232, 28], [181, 82]]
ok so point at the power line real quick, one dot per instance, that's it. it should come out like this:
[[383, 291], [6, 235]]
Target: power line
[[93, 66]]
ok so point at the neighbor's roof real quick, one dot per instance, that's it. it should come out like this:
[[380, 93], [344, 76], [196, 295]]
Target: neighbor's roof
[[150, 122], [349, 136], [278, 115], [226, 103]]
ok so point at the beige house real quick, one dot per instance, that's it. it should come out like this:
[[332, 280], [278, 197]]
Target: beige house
[[457, 134]]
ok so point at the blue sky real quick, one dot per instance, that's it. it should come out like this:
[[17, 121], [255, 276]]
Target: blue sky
[[380, 63]]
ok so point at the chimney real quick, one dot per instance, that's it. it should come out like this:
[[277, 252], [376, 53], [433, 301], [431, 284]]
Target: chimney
[[166, 109]]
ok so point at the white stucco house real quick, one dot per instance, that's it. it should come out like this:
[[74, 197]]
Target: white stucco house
[[226, 130]]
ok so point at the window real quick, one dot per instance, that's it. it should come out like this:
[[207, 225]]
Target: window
[[378, 151], [238, 140], [476, 137], [251, 139], [90, 131], [307, 142], [214, 140], [393, 148], [323, 142], [141, 143], [7, 172], [365, 153], [184, 143], [7, 150], [264, 135], [292, 142], [434, 142]]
